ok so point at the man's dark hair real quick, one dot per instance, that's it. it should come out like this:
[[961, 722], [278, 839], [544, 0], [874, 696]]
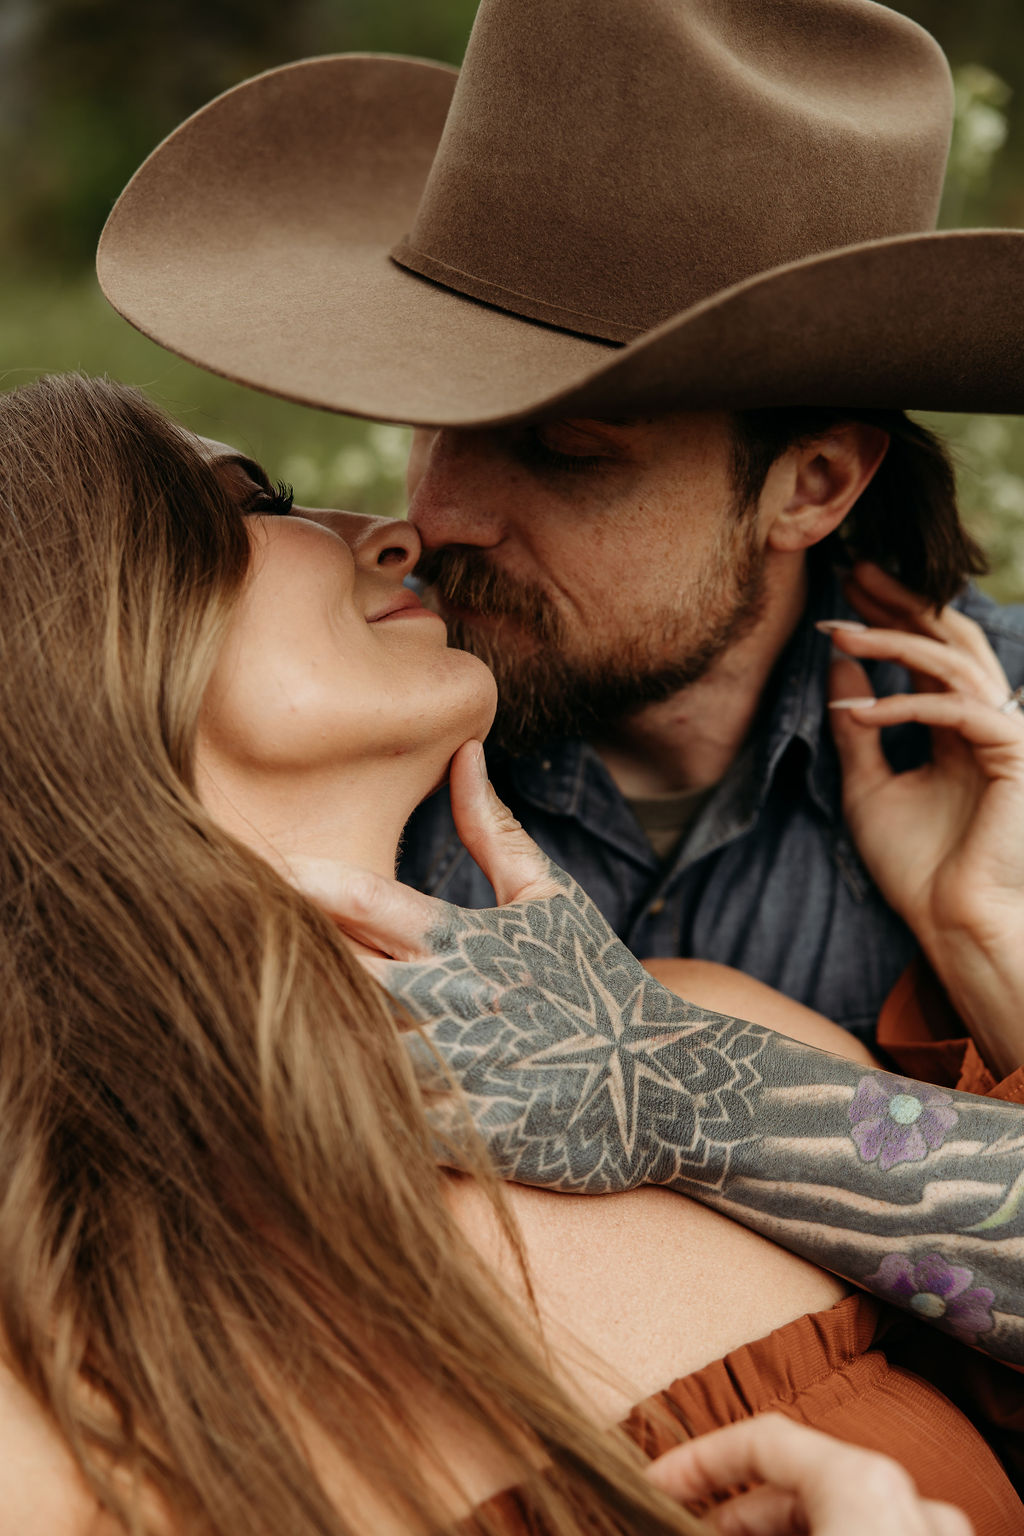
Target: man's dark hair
[[907, 520]]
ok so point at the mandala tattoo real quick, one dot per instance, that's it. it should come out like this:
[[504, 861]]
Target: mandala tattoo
[[584, 1074]]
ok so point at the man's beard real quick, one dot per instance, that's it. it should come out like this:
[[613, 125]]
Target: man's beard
[[545, 689]]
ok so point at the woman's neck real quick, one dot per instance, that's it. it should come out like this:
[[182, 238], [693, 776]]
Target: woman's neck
[[355, 815]]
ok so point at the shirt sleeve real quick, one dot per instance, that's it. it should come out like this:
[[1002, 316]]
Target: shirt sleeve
[[925, 1039]]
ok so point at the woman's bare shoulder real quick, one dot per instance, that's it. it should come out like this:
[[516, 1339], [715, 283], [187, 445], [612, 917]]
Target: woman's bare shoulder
[[636, 1290]]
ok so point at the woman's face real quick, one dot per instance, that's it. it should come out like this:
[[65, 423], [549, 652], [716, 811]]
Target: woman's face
[[330, 660]]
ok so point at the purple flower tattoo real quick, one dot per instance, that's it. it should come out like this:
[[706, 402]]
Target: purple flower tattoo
[[936, 1292], [898, 1121]]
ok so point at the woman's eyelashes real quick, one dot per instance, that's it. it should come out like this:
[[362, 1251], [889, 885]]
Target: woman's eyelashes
[[272, 500], [276, 501], [249, 486]]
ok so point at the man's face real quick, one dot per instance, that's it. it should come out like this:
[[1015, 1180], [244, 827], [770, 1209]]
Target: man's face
[[596, 566]]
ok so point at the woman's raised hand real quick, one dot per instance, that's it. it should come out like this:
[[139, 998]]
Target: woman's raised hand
[[807, 1484], [944, 842]]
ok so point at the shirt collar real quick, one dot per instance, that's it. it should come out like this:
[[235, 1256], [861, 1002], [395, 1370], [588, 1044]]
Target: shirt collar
[[799, 710]]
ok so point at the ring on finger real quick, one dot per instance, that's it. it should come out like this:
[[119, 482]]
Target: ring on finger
[[1015, 701]]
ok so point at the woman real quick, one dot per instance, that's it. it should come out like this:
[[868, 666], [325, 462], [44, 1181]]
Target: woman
[[231, 1278]]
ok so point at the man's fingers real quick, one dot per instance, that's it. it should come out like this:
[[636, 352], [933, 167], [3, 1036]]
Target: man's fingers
[[508, 856], [391, 920]]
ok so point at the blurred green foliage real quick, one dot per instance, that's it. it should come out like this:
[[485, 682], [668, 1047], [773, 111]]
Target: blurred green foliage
[[88, 87], [49, 325]]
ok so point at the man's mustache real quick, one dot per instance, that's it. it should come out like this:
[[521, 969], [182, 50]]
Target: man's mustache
[[466, 579]]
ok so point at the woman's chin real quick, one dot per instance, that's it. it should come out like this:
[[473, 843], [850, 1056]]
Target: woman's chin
[[478, 700], [473, 728], [484, 721]]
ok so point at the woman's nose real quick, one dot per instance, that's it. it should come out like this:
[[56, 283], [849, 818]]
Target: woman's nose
[[385, 544]]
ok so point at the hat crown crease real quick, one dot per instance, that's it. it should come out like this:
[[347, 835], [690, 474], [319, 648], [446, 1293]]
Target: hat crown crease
[[607, 164]]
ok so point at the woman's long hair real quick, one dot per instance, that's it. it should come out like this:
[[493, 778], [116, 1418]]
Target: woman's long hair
[[223, 1240]]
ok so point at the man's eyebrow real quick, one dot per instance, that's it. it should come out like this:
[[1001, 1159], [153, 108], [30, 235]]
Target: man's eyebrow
[[603, 421]]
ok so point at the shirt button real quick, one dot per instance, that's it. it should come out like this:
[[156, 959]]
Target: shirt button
[[656, 907]]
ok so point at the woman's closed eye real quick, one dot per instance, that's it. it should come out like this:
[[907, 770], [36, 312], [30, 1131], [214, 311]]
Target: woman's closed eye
[[248, 483], [272, 500]]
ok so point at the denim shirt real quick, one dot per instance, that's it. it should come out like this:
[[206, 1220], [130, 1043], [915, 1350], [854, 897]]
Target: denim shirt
[[767, 878]]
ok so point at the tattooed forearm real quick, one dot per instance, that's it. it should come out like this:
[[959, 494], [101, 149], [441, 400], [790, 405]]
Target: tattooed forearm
[[585, 1074]]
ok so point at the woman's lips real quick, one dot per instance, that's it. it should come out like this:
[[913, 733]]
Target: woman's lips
[[404, 605]]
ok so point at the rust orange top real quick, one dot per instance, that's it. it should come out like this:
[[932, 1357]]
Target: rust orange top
[[922, 1034], [828, 1370]]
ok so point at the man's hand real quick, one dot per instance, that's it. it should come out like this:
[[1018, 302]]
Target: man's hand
[[583, 1073], [393, 922]]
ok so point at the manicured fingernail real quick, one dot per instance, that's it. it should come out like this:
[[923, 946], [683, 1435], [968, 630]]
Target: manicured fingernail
[[829, 626], [481, 761], [851, 703]]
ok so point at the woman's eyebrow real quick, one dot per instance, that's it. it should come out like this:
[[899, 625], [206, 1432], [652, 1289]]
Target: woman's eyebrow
[[254, 470]]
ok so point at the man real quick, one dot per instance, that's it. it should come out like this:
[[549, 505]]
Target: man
[[624, 583], [638, 232]]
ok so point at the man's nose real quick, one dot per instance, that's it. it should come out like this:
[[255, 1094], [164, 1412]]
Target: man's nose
[[377, 543], [456, 483]]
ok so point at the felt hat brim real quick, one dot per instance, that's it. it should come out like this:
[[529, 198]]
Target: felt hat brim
[[255, 243]]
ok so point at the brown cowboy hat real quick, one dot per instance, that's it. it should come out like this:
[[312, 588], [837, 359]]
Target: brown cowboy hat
[[618, 206]]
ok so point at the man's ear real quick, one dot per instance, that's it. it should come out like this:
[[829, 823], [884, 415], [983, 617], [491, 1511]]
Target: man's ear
[[813, 485]]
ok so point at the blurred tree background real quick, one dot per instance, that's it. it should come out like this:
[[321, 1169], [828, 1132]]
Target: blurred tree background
[[88, 87]]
